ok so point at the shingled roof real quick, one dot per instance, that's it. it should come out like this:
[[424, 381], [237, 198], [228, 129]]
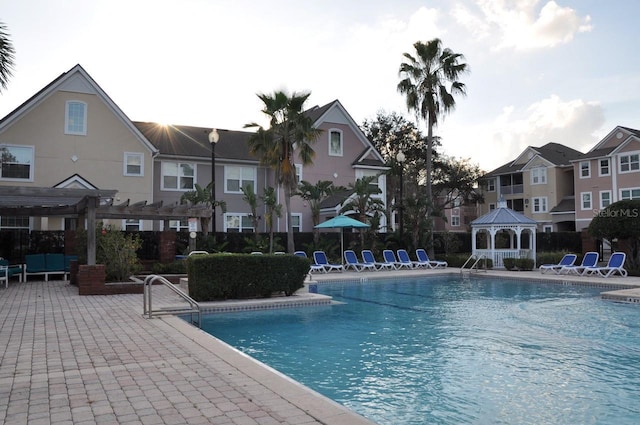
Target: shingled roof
[[555, 153]]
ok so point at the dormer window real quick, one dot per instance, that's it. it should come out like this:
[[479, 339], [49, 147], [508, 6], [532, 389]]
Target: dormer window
[[76, 118]]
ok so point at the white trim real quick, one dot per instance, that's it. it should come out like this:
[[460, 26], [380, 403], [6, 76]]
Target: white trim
[[329, 147], [299, 215], [547, 226], [125, 164], [542, 178], [600, 173], [241, 181], [628, 155], [601, 200], [299, 172], [178, 188], [543, 204], [494, 180], [588, 169], [85, 112], [582, 207], [240, 216], [630, 189], [31, 165], [124, 224]]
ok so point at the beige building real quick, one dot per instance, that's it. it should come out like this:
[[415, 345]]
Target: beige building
[[537, 184], [72, 135]]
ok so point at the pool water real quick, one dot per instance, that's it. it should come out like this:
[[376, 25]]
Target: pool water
[[449, 350]]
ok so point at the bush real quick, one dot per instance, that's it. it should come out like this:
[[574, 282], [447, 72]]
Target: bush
[[458, 260], [176, 267], [525, 263], [509, 263], [117, 251], [237, 276], [550, 257]]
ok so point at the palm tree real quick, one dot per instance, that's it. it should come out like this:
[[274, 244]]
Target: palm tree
[[274, 209], [7, 57], [430, 81], [290, 131], [249, 196], [202, 195], [314, 194], [364, 202]]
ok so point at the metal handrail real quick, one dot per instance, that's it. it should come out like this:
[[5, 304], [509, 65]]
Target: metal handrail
[[474, 256], [148, 311]]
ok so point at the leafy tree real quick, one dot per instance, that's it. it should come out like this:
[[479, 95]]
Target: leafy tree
[[249, 196], [621, 221], [202, 195], [429, 82], [314, 194], [7, 56], [455, 181], [290, 131], [274, 209]]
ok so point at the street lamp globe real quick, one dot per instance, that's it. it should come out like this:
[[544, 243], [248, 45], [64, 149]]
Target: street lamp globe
[[400, 157], [214, 136]]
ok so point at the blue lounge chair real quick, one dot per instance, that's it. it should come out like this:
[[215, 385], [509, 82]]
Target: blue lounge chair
[[614, 265], [369, 258], [403, 258], [423, 258], [567, 261], [589, 261], [314, 267], [321, 259], [390, 258], [351, 262]]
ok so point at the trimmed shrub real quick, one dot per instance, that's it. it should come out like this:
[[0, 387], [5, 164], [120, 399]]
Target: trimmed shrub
[[458, 260], [525, 263], [175, 267], [509, 263], [236, 276], [550, 257]]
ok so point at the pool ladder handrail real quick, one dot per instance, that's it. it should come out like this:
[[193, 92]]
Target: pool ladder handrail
[[475, 264], [193, 308]]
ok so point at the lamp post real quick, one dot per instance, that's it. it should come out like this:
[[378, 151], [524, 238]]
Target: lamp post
[[401, 158], [214, 137]]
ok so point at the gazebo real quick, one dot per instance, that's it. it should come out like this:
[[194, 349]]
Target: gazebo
[[512, 224]]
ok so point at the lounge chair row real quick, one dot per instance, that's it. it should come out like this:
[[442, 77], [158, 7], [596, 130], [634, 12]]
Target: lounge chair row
[[369, 262], [589, 265]]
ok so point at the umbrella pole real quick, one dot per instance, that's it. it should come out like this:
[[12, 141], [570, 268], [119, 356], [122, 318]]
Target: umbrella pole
[[342, 247]]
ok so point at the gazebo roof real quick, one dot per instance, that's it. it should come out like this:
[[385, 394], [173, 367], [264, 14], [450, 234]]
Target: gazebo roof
[[503, 216]]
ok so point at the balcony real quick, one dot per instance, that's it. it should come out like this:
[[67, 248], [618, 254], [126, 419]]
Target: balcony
[[513, 189]]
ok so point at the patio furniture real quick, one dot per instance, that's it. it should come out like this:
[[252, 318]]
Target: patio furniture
[[423, 258], [589, 261], [567, 260], [9, 270], [369, 258], [44, 265], [390, 258], [614, 265], [321, 259], [314, 267], [403, 257], [352, 262]]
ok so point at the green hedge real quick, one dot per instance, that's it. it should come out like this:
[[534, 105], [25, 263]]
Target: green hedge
[[236, 276], [458, 260], [518, 263]]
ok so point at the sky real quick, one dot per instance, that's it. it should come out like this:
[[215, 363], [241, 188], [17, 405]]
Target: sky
[[564, 71]]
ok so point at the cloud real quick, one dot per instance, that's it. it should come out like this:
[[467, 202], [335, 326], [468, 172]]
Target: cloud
[[518, 25], [574, 123]]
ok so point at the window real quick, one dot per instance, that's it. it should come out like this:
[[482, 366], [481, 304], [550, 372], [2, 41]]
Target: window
[[296, 221], [335, 143], [298, 173], [455, 220], [491, 185], [179, 225], [605, 168], [492, 207], [605, 198], [585, 169], [16, 162], [629, 194], [76, 118], [540, 204], [539, 175], [178, 176], [235, 178], [547, 228], [133, 164], [629, 163], [132, 224], [585, 199], [14, 222], [238, 222]]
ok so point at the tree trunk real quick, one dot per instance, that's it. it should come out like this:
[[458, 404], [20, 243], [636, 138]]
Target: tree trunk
[[429, 165], [287, 203]]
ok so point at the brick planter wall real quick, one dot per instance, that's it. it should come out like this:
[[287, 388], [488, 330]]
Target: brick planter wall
[[167, 246], [91, 281]]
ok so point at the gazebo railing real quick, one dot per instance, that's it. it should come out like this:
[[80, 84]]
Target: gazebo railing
[[498, 255]]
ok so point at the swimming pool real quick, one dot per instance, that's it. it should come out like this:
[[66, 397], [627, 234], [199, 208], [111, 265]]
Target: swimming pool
[[448, 350]]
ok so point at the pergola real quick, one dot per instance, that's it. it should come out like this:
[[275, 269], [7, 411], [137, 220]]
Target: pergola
[[516, 225], [87, 205]]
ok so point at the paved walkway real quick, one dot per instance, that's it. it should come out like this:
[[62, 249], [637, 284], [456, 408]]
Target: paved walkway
[[66, 359]]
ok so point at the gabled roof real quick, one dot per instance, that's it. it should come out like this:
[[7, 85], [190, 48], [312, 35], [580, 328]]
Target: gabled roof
[[567, 204], [370, 157], [503, 215], [66, 79], [606, 138], [188, 141], [555, 153]]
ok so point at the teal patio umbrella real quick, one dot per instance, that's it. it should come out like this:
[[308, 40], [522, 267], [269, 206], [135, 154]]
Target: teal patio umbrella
[[342, 222]]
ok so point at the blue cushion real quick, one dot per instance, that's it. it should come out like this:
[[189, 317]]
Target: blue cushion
[[36, 263]]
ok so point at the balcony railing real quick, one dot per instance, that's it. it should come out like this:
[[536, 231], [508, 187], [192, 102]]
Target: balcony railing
[[512, 190]]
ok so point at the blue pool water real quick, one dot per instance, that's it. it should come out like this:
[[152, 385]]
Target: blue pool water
[[449, 350]]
